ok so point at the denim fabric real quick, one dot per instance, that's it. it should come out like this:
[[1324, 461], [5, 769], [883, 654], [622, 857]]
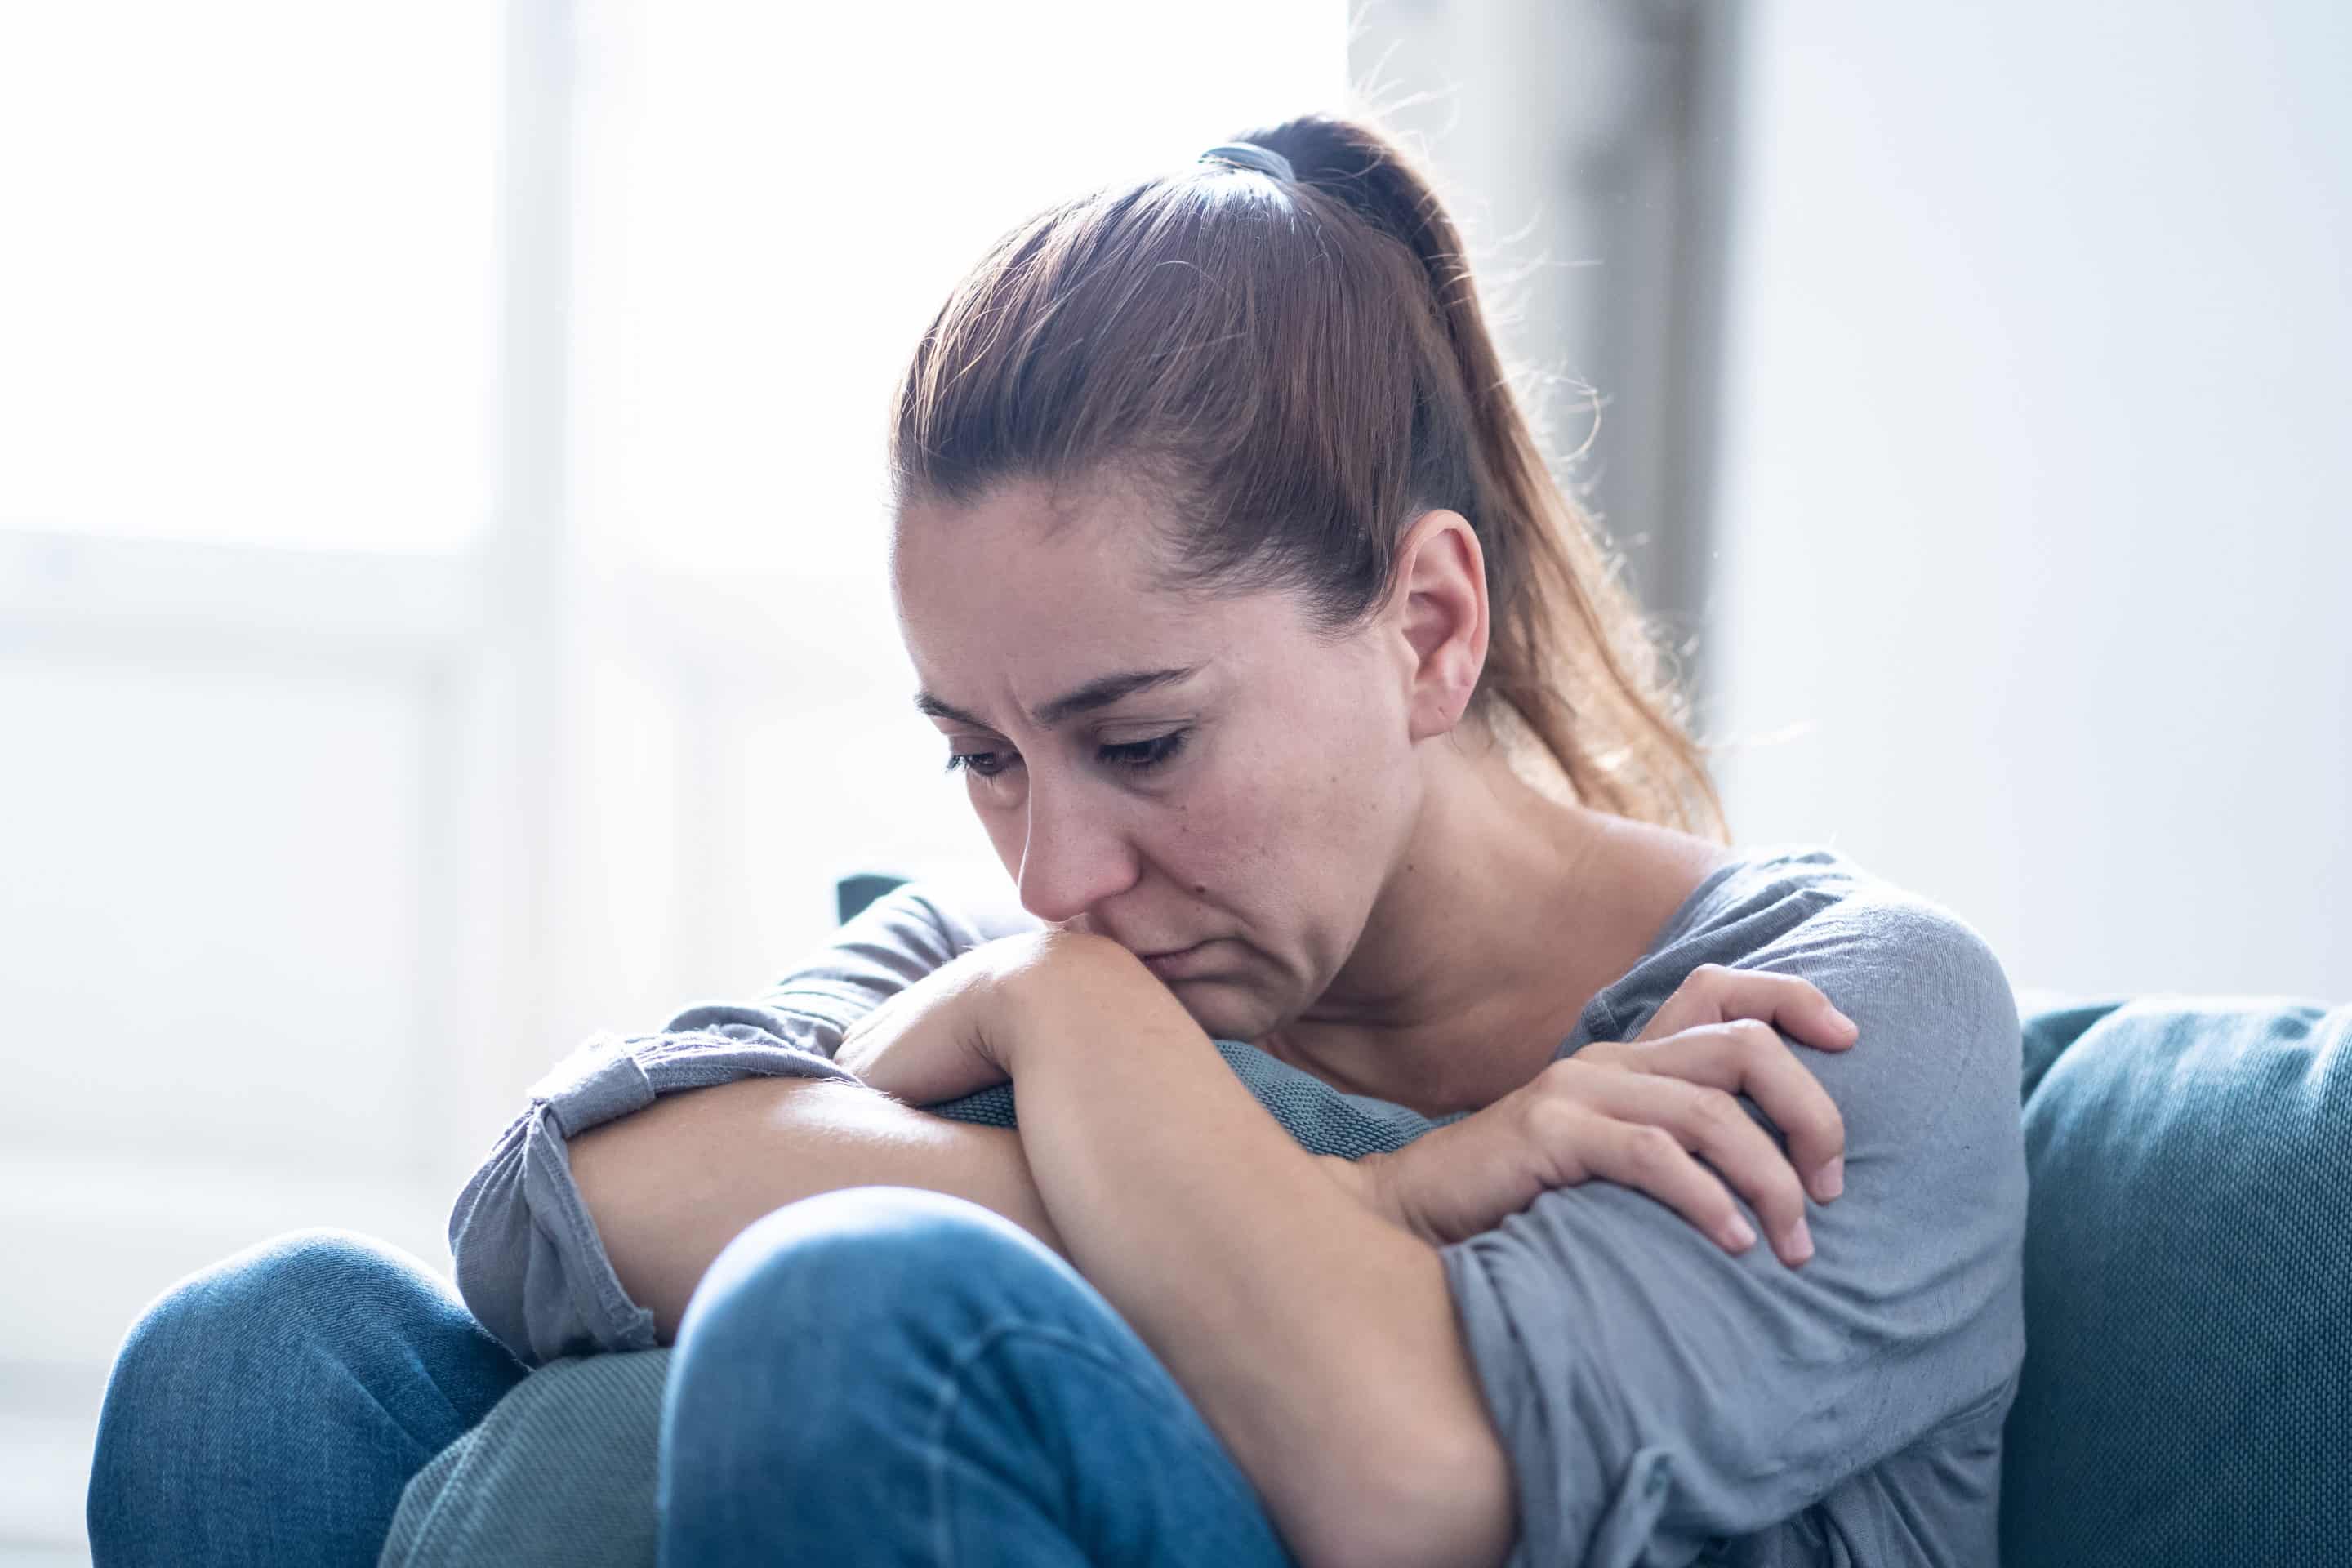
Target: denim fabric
[[887, 1375], [267, 1410], [952, 1392]]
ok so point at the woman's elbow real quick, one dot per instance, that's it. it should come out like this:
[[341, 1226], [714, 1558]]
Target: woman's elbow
[[1475, 1512], [1457, 1508]]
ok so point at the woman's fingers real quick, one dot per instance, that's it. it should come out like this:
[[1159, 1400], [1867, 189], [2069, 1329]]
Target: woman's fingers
[[1712, 993], [1746, 1057], [1708, 1121], [1647, 1157]]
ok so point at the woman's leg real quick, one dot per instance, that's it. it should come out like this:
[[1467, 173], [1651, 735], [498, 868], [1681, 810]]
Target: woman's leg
[[268, 1409], [886, 1374]]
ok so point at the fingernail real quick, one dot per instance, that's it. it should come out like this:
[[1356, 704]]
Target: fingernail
[[1740, 1233], [1831, 1182], [1801, 1242]]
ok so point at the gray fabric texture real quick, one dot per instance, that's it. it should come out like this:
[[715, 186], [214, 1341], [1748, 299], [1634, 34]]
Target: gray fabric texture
[[560, 1471], [1662, 1402]]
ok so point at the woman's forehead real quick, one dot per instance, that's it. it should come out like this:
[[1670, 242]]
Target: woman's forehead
[[1025, 531], [1028, 595], [1032, 565], [1054, 644]]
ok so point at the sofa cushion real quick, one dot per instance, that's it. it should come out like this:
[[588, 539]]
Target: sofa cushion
[[2186, 1391], [561, 1470]]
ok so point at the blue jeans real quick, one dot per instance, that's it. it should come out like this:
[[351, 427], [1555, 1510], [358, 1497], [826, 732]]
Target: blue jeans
[[269, 1408], [878, 1374]]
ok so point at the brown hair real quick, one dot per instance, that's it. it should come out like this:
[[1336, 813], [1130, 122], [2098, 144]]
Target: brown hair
[[1298, 370]]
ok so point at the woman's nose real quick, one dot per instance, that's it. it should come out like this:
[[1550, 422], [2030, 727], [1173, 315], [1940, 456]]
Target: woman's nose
[[1073, 859]]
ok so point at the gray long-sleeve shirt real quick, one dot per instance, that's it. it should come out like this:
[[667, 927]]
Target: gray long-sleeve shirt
[[1662, 1402]]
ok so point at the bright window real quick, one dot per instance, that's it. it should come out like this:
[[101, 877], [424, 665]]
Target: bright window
[[247, 293]]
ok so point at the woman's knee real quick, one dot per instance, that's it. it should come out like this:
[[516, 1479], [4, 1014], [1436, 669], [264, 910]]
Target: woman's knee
[[232, 1338], [930, 1338], [287, 1284], [867, 1257], [275, 1401]]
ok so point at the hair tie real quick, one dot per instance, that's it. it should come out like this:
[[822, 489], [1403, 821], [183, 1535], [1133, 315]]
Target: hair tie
[[1250, 155]]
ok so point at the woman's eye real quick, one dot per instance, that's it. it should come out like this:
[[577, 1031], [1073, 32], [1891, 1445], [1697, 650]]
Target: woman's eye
[[1135, 756], [984, 763], [1143, 756]]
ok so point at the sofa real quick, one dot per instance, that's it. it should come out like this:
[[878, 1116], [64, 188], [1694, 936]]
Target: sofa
[[2187, 1394]]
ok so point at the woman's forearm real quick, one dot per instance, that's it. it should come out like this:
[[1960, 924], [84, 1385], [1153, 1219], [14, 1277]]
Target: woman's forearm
[[665, 1208], [1318, 1341], [669, 1186]]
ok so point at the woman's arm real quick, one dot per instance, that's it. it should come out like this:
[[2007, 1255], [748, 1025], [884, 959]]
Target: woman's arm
[[1318, 1341], [530, 1259], [665, 1204], [665, 1209], [671, 1186], [1656, 1394]]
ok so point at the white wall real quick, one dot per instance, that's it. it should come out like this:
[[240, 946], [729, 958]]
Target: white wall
[[2032, 506]]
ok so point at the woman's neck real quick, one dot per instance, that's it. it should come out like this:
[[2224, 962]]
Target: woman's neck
[[1507, 914]]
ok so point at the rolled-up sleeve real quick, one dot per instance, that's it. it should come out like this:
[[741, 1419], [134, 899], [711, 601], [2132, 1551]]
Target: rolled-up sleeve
[[528, 1261], [1656, 1395]]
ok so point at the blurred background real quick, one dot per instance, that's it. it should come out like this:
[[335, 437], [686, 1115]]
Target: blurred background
[[442, 609]]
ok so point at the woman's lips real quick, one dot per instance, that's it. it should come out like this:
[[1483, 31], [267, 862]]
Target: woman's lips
[[1177, 965]]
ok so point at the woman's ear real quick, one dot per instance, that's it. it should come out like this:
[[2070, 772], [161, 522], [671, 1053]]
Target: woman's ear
[[1441, 607]]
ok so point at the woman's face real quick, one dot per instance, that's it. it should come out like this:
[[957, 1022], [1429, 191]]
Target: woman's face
[[1254, 802]]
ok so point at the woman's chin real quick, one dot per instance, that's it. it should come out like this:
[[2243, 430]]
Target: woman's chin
[[1216, 1006]]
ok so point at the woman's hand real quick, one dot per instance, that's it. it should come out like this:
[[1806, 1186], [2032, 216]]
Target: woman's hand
[[953, 1031], [1636, 1113]]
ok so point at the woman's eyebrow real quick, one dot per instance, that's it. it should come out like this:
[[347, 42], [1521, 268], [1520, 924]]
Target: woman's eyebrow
[[1099, 692]]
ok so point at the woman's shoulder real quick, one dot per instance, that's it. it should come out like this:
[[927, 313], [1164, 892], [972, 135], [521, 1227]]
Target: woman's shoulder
[[1874, 947], [1757, 896]]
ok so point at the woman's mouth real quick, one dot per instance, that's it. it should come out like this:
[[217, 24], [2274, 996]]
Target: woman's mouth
[[1177, 964]]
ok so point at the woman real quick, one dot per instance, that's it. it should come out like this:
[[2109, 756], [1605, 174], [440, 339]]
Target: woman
[[1302, 711]]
